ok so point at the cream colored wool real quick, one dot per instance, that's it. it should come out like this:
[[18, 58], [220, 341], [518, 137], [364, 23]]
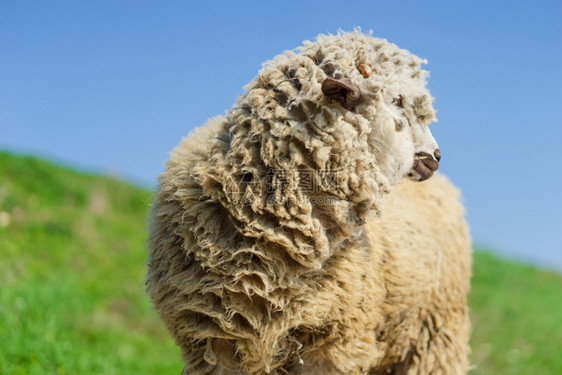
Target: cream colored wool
[[270, 251]]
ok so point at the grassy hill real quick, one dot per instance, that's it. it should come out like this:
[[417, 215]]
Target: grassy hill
[[516, 313], [72, 295], [72, 275]]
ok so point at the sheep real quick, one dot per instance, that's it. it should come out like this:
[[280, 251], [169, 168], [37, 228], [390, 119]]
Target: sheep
[[294, 234]]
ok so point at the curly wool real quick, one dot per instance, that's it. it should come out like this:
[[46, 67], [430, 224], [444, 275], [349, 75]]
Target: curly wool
[[251, 276]]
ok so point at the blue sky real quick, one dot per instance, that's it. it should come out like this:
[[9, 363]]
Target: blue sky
[[77, 85]]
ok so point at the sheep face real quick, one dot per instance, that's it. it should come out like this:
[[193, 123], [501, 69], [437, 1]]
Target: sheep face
[[407, 138], [403, 143], [401, 140], [426, 151]]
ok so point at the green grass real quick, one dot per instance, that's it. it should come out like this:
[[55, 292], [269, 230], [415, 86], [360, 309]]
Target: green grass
[[72, 275], [516, 313], [72, 300]]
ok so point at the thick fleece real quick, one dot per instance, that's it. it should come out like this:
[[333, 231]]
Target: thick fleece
[[270, 251]]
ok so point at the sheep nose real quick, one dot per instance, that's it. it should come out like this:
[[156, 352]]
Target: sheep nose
[[437, 155]]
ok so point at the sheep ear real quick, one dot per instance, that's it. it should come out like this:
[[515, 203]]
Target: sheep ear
[[342, 90]]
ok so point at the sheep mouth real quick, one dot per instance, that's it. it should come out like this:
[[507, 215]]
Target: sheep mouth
[[424, 167]]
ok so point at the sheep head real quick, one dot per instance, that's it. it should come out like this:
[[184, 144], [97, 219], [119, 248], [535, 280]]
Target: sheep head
[[427, 154], [320, 136]]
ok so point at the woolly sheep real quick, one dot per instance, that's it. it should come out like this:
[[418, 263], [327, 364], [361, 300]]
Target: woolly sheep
[[270, 251]]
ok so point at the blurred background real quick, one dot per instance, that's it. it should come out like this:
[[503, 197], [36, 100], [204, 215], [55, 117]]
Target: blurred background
[[80, 87]]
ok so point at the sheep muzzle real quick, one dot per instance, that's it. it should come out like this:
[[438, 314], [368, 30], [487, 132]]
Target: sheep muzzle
[[425, 165]]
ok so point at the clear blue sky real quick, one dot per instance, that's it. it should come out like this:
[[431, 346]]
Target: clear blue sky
[[77, 85]]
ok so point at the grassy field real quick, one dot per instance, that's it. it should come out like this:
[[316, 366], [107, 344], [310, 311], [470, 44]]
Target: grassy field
[[516, 313], [72, 295], [71, 275]]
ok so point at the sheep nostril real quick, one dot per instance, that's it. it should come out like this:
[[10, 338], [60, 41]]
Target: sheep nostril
[[437, 155]]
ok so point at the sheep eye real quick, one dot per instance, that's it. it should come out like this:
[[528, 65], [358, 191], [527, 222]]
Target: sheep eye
[[398, 101]]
